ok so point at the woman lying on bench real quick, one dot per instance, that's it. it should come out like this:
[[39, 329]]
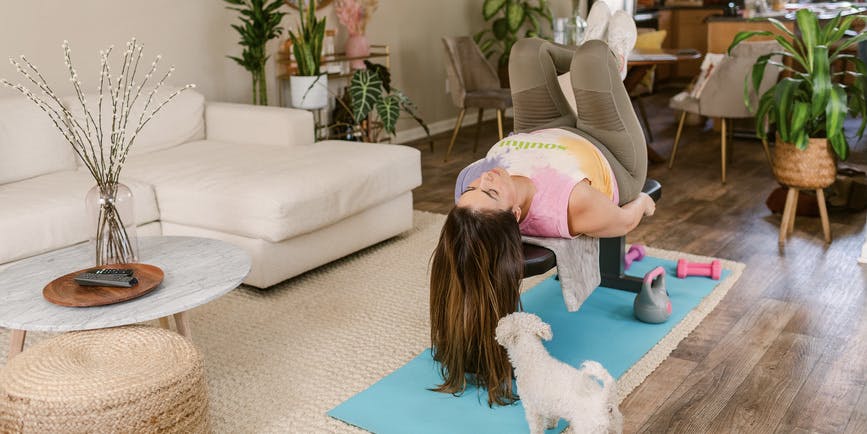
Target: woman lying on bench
[[562, 175]]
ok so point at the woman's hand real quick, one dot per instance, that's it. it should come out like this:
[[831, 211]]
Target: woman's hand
[[649, 205]]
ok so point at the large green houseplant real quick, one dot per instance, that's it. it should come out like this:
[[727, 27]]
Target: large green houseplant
[[309, 85], [510, 21], [809, 105], [260, 22]]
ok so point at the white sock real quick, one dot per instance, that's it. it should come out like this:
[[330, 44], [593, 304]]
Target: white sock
[[597, 21], [622, 34]]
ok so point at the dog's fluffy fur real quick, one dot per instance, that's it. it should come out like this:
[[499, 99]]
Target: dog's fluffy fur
[[551, 389]]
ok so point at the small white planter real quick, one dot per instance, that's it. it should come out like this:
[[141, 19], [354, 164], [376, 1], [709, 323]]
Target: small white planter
[[309, 92]]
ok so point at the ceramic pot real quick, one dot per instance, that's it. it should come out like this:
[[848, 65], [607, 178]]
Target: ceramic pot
[[309, 92], [810, 169], [357, 46]]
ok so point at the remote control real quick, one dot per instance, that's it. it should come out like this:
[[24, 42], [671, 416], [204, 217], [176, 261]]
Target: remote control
[[93, 279], [106, 271]]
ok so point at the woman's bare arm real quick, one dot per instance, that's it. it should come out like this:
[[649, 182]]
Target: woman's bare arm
[[592, 213]]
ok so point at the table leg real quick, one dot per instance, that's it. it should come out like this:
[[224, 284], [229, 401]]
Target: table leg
[[16, 343], [634, 75], [164, 323], [182, 324]]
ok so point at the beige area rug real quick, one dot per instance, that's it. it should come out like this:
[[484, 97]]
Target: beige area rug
[[278, 360]]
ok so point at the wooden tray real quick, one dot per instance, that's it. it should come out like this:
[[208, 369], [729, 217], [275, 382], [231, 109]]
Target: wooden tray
[[65, 292]]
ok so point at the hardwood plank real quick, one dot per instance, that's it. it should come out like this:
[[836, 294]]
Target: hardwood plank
[[643, 401], [829, 398], [858, 422], [760, 402], [708, 388]]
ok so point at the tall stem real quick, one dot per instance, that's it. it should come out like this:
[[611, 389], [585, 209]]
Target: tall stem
[[263, 86]]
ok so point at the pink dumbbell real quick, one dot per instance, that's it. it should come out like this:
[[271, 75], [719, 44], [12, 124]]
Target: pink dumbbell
[[712, 269], [635, 253]]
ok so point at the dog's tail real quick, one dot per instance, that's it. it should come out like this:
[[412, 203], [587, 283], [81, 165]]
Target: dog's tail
[[597, 371]]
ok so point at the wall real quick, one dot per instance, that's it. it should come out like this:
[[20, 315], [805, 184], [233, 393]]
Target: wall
[[195, 36]]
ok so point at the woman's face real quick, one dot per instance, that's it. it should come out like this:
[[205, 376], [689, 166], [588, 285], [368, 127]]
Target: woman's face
[[495, 189]]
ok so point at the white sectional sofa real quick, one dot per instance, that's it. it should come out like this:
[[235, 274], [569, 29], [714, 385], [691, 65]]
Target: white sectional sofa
[[249, 175]]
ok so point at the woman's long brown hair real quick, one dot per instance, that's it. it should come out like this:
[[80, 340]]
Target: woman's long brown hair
[[476, 272]]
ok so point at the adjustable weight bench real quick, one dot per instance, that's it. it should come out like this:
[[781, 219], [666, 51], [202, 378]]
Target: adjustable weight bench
[[583, 263]]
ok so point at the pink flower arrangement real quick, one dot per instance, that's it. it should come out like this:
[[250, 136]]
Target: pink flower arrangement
[[354, 14]]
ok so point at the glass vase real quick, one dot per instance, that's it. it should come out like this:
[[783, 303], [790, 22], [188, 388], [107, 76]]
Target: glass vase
[[112, 216]]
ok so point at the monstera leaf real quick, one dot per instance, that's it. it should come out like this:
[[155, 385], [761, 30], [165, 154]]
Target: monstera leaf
[[365, 90]]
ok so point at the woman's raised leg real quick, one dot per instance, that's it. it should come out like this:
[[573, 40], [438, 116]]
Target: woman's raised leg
[[605, 112], [537, 100]]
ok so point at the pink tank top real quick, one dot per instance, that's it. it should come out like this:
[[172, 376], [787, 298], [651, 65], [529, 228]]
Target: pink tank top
[[555, 160]]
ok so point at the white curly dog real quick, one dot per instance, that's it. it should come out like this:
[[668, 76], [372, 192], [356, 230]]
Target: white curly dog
[[551, 389]]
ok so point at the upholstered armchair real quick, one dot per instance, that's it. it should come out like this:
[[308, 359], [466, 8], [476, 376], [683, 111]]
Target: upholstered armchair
[[473, 83], [721, 93]]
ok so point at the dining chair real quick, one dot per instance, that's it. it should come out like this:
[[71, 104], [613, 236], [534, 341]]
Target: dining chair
[[720, 94], [473, 83]]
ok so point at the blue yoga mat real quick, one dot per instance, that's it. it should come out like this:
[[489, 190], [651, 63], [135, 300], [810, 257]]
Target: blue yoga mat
[[603, 329]]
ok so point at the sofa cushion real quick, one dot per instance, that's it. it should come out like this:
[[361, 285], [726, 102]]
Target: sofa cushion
[[181, 120], [48, 212], [30, 144], [270, 192]]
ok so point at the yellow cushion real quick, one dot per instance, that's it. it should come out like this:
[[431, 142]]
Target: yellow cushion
[[649, 41]]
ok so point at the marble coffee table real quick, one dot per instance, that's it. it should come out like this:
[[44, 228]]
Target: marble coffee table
[[197, 270]]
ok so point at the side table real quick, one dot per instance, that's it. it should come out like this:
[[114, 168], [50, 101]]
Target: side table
[[197, 270]]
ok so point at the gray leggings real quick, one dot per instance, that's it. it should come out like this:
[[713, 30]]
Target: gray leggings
[[605, 115]]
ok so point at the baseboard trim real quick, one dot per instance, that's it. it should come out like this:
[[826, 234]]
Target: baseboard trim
[[413, 134]]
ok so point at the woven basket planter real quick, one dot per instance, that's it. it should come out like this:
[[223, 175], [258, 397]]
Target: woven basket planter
[[810, 169], [127, 379]]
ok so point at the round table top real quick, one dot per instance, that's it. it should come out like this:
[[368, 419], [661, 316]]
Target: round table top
[[197, 270]]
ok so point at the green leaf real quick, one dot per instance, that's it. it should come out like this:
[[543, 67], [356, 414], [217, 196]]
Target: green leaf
[[827, 32], [808, 25], [766, 104], [382, 72], [800, 113], [851, 41], [365, 88], [491, 7], [500, 28], [515, 16], [835, 114], [781, 27], [388, 109], [744, 35], [839, 145], [758, 73], [821, 76], [784, 94]]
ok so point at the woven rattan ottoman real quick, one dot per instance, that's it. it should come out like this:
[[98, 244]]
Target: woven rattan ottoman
[[126, 379]]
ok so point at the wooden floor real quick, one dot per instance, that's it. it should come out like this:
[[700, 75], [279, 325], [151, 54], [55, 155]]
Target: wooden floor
[[786, 350]]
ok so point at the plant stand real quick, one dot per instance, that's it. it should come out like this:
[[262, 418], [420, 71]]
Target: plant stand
[[787, 225]]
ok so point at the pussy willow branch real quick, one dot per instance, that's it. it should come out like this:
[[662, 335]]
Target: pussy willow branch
[[88, 140]]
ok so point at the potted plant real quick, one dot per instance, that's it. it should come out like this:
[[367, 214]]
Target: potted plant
[[309, 86], [371, 105], [809, 105], [512, 20], [260, 22]]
